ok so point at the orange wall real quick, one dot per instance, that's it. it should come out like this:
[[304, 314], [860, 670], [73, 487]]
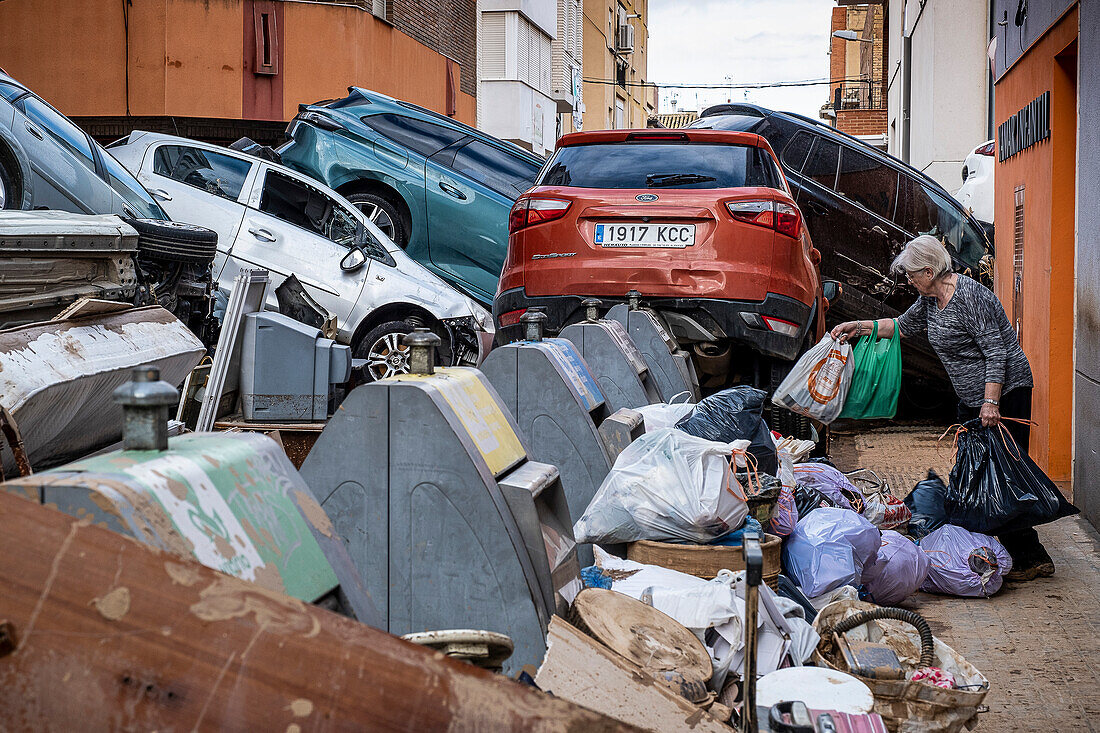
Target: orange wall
[[186, 57], [1047, 172]]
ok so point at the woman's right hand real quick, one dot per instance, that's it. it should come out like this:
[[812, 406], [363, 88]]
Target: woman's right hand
[[848, 329]]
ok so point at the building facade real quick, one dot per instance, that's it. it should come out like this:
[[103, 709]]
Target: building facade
[[220, 70], [515, 71], [857, 94], [1047, 201], [937, 72], [615, 92]]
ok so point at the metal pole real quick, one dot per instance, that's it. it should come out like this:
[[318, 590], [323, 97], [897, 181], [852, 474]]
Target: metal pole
[[754, 573], [906, 92]]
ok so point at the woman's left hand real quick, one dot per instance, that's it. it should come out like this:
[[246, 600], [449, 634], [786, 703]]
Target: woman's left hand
[[990, 414]]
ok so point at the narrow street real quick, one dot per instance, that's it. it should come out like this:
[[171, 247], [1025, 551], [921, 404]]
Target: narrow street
[[1037, 642]]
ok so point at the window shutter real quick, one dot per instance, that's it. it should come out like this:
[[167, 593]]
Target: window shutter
[[493, 35]]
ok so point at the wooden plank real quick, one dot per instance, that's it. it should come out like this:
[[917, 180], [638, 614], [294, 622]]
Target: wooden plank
[[85, 307], [579, 669], [114, 635]]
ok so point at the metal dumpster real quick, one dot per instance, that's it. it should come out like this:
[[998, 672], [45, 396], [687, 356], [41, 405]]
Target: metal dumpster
[[619, 368], [449, 521], [547, 387], [670, 368]]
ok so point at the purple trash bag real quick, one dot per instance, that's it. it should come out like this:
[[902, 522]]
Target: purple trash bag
[[785, 516], [828, 480], [964, 563], [898, 572], [829, 548]]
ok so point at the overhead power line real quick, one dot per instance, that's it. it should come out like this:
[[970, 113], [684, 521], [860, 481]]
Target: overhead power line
[[754, 85]]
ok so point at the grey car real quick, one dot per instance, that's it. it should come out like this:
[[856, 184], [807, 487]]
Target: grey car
[[47, 162]]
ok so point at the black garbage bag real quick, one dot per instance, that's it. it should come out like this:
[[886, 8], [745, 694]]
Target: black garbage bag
[[734, 414], [995, 487], [807, 498], [925, 501]]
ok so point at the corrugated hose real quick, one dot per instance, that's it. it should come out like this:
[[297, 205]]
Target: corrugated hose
[[914, 619]]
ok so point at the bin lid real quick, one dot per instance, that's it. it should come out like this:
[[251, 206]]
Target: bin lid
[[820, 688]]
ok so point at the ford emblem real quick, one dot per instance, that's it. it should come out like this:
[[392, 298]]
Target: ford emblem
[[646, 197]]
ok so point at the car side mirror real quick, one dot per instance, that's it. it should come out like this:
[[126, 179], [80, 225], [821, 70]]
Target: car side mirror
[[353, 260], [831, 290]]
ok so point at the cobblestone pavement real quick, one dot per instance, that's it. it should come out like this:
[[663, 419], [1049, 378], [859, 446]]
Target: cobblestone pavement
[[1037, 642]]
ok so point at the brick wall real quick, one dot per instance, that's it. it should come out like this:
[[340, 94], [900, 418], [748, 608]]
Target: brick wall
[[837, 49], [446, 26], [861, 121]]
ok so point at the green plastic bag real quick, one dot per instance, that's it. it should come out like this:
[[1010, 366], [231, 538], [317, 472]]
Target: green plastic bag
[[876, 381]]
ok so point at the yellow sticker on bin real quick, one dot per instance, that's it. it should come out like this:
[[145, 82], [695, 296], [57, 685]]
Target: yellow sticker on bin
[[478, 412]]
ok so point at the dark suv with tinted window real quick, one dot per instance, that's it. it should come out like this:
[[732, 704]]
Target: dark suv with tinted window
[[861, 206]]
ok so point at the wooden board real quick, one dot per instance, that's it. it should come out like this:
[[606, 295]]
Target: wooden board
[[580, 669], [84, 307], [113, 635], [654, 641]]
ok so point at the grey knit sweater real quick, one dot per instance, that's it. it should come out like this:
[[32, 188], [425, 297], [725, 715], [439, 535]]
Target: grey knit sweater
[[973, 338]]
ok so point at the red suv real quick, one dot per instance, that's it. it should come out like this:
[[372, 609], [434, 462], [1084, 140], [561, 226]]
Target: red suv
[[701, 222]]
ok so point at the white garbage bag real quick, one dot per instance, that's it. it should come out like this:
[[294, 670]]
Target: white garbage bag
[[818, 383], [662, 415], [667, 485]]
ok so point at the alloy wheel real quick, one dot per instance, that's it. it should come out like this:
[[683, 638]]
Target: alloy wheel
[[387, 357], [378, 216]]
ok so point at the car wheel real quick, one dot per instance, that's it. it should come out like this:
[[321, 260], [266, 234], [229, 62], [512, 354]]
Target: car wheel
[[11, 192], [175, 241], [780, 419], [384, 214], [383, 350]]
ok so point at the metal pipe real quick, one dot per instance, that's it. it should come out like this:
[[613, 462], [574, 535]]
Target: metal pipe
[[906, 93]]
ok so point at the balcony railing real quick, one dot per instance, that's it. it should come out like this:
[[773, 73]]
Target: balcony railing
[[858, 94]]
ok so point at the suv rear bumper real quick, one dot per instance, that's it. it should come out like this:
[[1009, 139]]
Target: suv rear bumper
[[720, 317]]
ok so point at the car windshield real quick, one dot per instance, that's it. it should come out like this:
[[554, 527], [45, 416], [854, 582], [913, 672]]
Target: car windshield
[[660, 165], [132, 192]]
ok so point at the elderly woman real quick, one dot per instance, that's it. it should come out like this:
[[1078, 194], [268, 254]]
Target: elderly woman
[[970, 332]]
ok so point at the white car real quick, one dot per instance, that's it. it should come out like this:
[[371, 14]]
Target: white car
[[269, 216], [976, 193]]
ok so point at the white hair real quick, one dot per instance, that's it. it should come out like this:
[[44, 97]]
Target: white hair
[[921, 252]]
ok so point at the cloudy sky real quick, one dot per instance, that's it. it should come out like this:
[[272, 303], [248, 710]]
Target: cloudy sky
[[704, 41]]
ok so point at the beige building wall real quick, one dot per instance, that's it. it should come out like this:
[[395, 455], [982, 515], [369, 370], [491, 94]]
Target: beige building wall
[[603, 99]]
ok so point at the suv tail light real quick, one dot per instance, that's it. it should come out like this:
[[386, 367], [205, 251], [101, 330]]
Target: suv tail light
[[987, 149], [511, 318], [781, 217], [529, 211]]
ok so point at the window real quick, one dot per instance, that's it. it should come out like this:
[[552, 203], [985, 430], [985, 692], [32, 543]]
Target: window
[[823, 162], [10, 91], [868, 181], [60, 129], [267, 39], [794, 155], [304, 206], [620, 110], [425, 138], [221, 175], [132, 192], [486, 164], [922, 209], [660, 165]]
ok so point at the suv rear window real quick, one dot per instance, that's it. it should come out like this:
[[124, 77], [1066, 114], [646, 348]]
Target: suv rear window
[[661, 165]]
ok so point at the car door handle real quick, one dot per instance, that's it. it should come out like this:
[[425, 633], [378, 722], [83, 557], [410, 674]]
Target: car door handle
[[161, 194], [452, 191], [262, 234], [33, 130]]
